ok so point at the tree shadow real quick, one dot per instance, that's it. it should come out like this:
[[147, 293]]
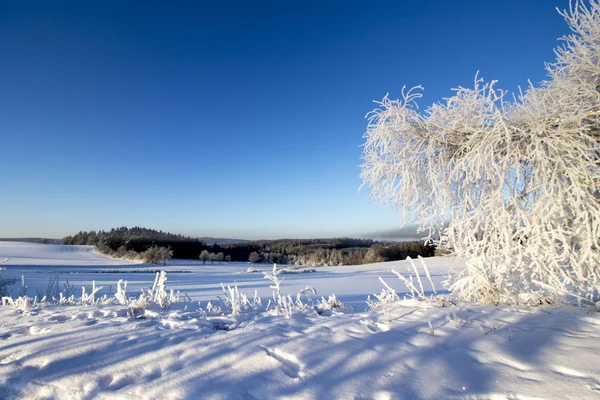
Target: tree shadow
[[412, 352]]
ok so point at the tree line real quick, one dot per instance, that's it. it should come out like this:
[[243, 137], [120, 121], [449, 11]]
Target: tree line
[[150, 245]]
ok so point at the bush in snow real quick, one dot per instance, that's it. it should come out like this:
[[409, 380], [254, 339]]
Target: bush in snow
[[21, 303], [512, 187], [416, 292], [276, 282], [90, 298], [307, 292], [386, 297], [236, 302], [233, 304], [283, 304], [121, 294], [137, 307], [158, 294], [332, 303], [454, 320]]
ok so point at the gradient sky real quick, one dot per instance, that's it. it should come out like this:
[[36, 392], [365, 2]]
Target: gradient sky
[[229, 119]]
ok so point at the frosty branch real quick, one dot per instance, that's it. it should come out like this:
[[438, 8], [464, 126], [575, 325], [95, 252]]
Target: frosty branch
[[513, 187]]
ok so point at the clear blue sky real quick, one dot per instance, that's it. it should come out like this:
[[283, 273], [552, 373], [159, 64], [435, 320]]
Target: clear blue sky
[[229, 119]]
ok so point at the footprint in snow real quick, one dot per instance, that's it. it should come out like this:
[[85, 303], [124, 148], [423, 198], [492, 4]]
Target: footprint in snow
[[58, 318], [38, 330], [11, 358], [289, 363], [104, 381], [95, 314], [568, 371], [82, 315], [175, 367], [374, 326], [592, 384], [119, 382], [153, 374], [14, 358], [114, 382], [594, 388]]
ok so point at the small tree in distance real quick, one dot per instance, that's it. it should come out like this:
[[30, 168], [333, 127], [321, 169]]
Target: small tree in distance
[[204, 255], [512, 187], [165, 254], [254, 258], [154, 254]]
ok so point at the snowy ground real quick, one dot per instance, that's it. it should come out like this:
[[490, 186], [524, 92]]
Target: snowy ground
[[408, 350], [80, 265]]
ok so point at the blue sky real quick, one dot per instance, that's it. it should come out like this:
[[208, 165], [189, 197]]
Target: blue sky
[[229, 119]]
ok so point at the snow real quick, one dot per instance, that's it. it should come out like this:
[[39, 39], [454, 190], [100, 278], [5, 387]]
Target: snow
[[406, 350], [80, 265], [52, 255]]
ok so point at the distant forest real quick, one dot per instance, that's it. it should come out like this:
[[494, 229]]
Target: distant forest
[[129, 243]]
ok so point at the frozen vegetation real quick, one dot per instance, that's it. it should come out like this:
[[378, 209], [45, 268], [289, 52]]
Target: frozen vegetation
[[513, 187], [340, 332], [510, 187]]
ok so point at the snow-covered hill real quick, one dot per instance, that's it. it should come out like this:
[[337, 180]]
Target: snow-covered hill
[[53, 255], [408, 350]]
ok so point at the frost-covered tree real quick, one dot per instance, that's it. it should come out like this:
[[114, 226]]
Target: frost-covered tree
[[220, 256], [165, 254], [511, 186], [254, 258], [153, 255], [204, 255], [373, 255]]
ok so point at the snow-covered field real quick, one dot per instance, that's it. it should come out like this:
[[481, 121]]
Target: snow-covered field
[[80, 265], [407, 350]]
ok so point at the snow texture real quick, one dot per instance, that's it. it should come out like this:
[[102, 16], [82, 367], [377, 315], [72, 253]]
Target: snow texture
[[408, 349], [80, 266]]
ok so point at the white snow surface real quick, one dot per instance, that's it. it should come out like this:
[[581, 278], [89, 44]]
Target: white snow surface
[[80, 265], [409, 350], [53, 255]]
